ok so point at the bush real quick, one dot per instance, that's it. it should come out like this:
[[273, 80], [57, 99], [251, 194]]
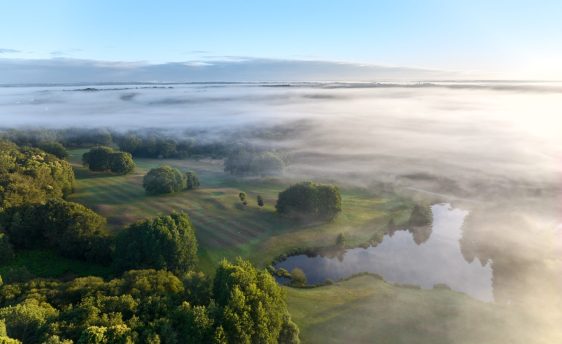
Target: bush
[[310, 200], [164, 242], [247, 163], [164, 179], [298, 277], [102, 158]]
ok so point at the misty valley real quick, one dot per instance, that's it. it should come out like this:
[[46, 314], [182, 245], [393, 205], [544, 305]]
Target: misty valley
[[321, 212]]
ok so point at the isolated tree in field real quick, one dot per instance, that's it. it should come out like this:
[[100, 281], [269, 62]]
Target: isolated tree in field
[[250, 304], [340, 240], [164, 242], [310, 201], [106, 159], [192, 180], [164, 179], [121, 163], [298, 277], [243, 198], [260, 201]]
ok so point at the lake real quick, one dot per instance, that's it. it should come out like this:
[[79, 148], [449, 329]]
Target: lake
[[421, 257]]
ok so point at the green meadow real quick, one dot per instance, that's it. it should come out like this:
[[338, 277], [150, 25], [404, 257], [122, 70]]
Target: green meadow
[[225, 227]]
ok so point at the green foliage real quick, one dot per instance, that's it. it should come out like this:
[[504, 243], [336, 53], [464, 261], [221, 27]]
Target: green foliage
[[242, 196], [106, 159], [310, 200], [164, 179], [298, 277], [192, 180], [70, 228], [247, 163], [27, 321], [250, 303], [29, 175], [289, 332], [260, 201], [117, 334], [55, 148], [6, 250], [165, 242]]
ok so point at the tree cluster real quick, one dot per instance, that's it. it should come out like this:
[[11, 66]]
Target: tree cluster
[[167, 179], [310, 201], [106, 159], [244, 162], [241, 305], [69, 228]]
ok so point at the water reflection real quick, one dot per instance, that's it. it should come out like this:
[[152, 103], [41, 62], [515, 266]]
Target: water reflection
[[422, 256]]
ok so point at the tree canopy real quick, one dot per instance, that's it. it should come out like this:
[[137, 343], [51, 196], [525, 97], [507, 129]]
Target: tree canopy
[[29, 175], [167, 179], [310, 200], [164, 242]]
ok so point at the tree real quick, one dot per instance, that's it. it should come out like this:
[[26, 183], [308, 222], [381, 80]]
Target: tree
[[247, 162], [106, 159], [98, 158], [421, 216], [289, 332], [311, 201], [192, 180], [164, 179], [298, 277], [260, 201], [250, 304], [27, 321], [340, 240], [70, 228], [55, 148], [164, 242], [121, 163]]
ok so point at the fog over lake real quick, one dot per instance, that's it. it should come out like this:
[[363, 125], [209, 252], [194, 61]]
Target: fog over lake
[[494, 149]]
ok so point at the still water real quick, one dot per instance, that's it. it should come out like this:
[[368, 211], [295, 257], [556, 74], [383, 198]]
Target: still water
[[422, 257]]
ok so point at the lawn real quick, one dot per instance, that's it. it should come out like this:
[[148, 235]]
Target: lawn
[[224, 227], [366, 309]]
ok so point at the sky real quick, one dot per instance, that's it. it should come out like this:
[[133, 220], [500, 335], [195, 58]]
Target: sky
[[480, 38]]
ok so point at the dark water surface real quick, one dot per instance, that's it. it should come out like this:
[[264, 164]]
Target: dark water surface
[[422, 257]]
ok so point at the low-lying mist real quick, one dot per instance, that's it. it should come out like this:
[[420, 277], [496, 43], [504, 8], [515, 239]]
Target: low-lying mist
[[494, 150]]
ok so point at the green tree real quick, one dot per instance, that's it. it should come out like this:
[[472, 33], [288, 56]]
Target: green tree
[[310, 200], [121, 163], [98, 158], [251, 307], [260, 201], [164, 242], [55, 148], [192, 180], [289, 332], [298, 277], [164, 179], [28, 321]]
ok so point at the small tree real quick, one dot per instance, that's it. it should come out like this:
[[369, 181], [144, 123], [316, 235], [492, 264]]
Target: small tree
[[260, 201], [192, 180], [298, 277], [121, 163], [242, 197], [340, 241]]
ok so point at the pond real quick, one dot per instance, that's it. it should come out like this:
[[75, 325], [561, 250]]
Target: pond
[[423, 257]]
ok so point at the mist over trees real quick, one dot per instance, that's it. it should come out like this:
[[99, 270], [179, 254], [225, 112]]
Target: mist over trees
[[243, 162], [307, 200]]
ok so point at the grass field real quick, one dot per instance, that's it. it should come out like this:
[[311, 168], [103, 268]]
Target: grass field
[[224, 227], [366, 309]]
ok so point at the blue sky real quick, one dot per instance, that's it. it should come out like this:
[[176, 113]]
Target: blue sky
[[519, 38]]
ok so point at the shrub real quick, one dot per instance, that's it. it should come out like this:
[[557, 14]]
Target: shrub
[[55, 148], [121, 163], [298, 277], [106, 159]]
